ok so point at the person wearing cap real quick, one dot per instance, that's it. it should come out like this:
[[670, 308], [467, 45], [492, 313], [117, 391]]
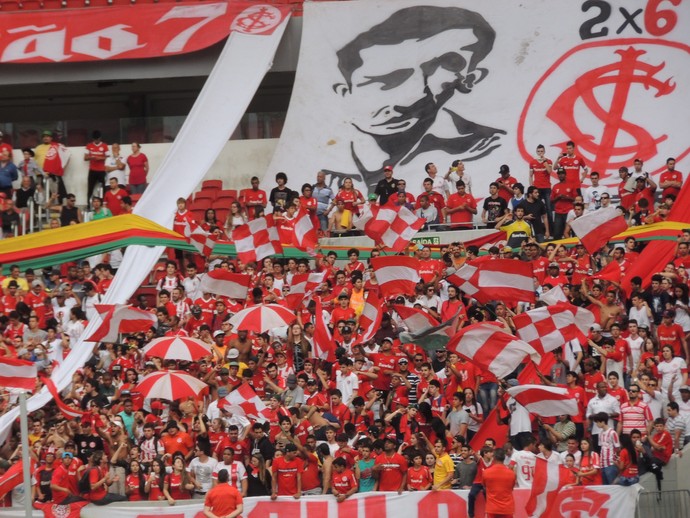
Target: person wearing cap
[[505, 182], [175, 440], [287, 474], [293, 395], [390, 468], [562, 196], [387, 186], [43, 476], [65, 480], [494, 206]]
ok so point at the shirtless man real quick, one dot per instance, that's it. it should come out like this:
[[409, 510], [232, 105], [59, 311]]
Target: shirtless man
[[243, 344], [610, 309]]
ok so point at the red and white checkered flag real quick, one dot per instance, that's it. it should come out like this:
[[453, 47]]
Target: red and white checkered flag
[[550, 327], [302, 287], [305, 236], [257, 239], [393, 226], [244, 401], [199, 238]]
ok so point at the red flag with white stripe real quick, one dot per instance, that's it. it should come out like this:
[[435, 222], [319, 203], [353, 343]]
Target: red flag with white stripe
[[201, 240], [17, 374], [549, 479], [257, 239], [506, 280], [416, 320], [370, 319], [302, 287], [66, 410], [13, 477], [244, 401], [396, 274], [226, 283], [544, 401], [323, 345], [306, 238], [597, 227], [611, 272], [394, 226], [550, 327], [121, 318], [491, 347]]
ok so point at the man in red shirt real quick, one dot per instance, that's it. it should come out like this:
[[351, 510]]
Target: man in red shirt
[[461, 207], [343, 481], [644, 188], [540, 170], [505, 183], [386, 362], [660, 444], [435, 198], [562, 197], [669, 333], [254, 199], [670, 180], [572, 164], [96, 153], [430, 270], [64, 482], [223, 500], [175, 441], [112, 198], [499, 481], [390, 469], [287, 474]]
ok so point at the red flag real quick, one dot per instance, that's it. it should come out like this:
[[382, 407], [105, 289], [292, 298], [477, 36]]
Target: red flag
[[506, 280], [492, 348], [324, 346], [305, 236], [396, 274], [544, 401], [226, 283], [416, 320], [611, 272], [120, 318], [17, 374], [394, 226], [302, 286], [550, 327], [596, 227], [56, 159], [13, 477], [199, 238], [549, 478], [370, 319], [244, 401], [257, 239], [66, 410], [51, 510], [488, 240]]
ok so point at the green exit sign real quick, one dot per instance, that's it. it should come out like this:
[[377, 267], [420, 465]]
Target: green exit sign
[[427, 241]]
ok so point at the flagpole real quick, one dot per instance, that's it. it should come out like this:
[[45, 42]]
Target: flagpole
[[26, 460]]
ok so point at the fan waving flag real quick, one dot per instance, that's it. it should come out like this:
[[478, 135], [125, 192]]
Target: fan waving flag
[[394, 226], [306, 238], [244, 401], [550, 327], [17, 374], [301, 288], [199, 238], [225, 283], [595, 228], [396, 274], [544, 401], [370, 319], [257, 239], [120, 318], [492, 348], [66, 410], [611, 272], [506, 280], [549, 479], [416, 320], [324, 346]]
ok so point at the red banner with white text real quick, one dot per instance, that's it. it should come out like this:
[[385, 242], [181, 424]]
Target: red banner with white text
[[129, 32], [600, 501]]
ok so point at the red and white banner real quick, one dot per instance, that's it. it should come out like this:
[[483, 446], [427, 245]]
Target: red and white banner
[[305, 236], [549, 478], [611, 272], [595, 228], [370, 319], [544, 401], [507, 280], [129, 32], [245, 402], [12, 478], [550, 327], [416, 320], [492, 348], [396, 274], [65, 409], [554, 295], [120, 318], [226, 283], [323, 345], [600, 501], [196, 236], [301, 288], [393, 226], [17, 374], [256, 240]]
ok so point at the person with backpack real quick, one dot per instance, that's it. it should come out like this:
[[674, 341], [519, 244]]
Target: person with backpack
[[96, 480]]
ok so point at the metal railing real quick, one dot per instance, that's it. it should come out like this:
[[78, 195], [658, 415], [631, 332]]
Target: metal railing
[[664, 504]]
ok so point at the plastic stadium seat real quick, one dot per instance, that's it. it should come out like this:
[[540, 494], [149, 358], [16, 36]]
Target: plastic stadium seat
[[212, 184], [205, 195], [224, 202], [198, 214], [222, 216], [201, 204]]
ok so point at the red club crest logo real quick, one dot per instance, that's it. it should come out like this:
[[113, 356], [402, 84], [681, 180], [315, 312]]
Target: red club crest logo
[[580, 502]]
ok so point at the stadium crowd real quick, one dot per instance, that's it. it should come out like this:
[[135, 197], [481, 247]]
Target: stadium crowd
[[385, 415]]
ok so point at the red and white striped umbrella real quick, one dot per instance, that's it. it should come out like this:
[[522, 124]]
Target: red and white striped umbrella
[[170, 385], [262, 318], [177, 348]]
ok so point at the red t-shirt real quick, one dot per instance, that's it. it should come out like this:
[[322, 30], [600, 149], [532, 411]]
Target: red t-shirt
[[132, 483], [670, 335], [578, 393], [223, 499], [391, 475], [572, 167], [670, 176], [287, 472], [428, 268], [504, 193], [137, 173], [542, 178], [113, 200], [177, 492], [97, 154], [419, 478], [343, 482], [664, 438], [383, 362], [499, 481], [464, 215], [562, 189]]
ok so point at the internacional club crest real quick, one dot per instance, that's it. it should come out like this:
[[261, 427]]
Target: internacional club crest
[[257, 19], [624, 100]]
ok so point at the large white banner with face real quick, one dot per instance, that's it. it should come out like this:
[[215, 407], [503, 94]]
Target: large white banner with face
[[402, 84]]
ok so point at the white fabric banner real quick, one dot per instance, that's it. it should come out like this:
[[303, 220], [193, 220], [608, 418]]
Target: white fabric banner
[[244, 61], [404, 83]]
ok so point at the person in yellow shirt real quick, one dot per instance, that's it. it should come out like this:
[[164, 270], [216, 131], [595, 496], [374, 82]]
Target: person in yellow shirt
[[15, 276], [518, 230], [444, 470]]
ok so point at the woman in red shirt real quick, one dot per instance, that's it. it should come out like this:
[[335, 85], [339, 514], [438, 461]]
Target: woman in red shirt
[[350, 196], [628, 473], [178, 484], [590, 467], [155, 481], [138, 169], [135, 485]]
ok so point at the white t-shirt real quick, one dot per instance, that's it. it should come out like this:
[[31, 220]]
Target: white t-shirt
[[667, 370], [635, 345], [236, 471], [640, 315], [346, 384], [519, 418], [577, 455], [524, 462], [203, 472], [111, 161], [608, 404], [592, 196]]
